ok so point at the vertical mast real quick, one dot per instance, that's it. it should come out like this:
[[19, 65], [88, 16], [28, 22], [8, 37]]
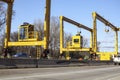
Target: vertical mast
[[47, 24]]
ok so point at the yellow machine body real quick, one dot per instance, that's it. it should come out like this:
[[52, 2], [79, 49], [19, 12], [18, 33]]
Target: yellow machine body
[[76, 42], [105, 56]]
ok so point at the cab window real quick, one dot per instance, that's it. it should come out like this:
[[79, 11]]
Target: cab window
[[76, 40]]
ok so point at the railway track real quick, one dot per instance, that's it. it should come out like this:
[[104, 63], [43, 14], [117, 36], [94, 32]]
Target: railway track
[[33, 63]]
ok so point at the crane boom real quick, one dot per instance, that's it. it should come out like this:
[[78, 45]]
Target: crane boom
[[76, 23]]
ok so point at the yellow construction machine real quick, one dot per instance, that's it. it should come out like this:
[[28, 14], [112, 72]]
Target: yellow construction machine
[[27, 36], [76, 44], [104, 55]]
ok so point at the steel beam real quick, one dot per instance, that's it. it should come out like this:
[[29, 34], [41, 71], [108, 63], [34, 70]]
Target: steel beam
[[76, 23], [32, 43], [106, 22]]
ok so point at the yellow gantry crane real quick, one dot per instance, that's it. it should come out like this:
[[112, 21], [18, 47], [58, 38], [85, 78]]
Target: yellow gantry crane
[[76, 40], [27, 36], [93, 45], [103, 55]]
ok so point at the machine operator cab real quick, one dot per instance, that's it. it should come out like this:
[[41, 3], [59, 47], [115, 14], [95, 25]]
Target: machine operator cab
[[26, 32], [77, 42]]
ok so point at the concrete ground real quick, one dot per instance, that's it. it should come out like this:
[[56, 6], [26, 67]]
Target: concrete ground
[[108, 72]]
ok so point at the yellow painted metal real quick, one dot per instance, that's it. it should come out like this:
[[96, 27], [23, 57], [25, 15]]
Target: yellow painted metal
[[94, 33], [29, 39], [116, 42], [76, 42], [47, 24], [28, 43], [82, 49], [62, 18], [61, 34], [91, 41], [105, 55], [8, 21]]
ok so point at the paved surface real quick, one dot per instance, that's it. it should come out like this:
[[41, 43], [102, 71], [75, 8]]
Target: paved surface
[[63, 73]]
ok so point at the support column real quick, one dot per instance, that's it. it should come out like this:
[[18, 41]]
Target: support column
[[116, 42], [8, 24], [47, 24], [91, 40], [61, 34], [94, 32]]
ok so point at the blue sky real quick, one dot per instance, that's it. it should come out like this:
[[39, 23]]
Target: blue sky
[[78, 10]]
